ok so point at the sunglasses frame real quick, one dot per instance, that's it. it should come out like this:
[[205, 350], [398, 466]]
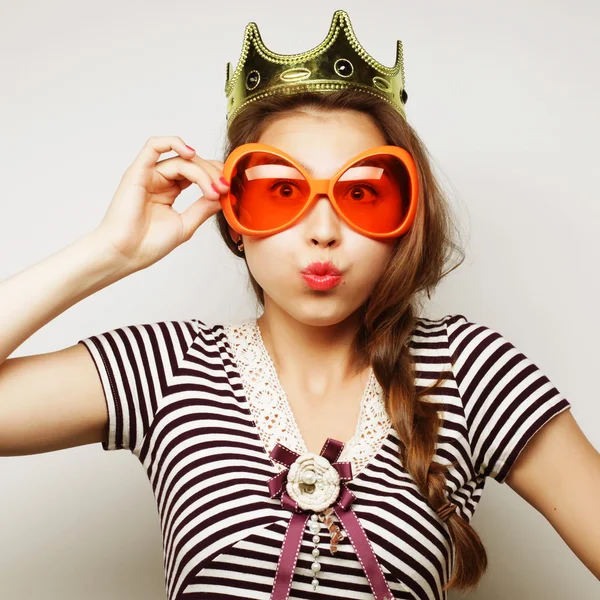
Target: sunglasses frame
[[320, 187]]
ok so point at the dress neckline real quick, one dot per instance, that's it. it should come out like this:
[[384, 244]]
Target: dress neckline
[[272, 414], [284, 399]]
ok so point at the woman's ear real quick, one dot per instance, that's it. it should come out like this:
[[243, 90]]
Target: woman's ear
[[235, 236]]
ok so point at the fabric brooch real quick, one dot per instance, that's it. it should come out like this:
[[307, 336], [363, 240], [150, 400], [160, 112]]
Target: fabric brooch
[[316, 484]]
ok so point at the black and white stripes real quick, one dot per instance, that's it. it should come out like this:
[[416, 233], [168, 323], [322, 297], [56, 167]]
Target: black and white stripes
[[176, 400], [506, 398]]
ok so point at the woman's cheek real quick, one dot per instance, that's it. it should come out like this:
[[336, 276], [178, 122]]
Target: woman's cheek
[[370, 264], [270, 265]]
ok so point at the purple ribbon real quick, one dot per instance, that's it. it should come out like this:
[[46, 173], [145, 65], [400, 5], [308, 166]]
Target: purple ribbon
[[293, 537]]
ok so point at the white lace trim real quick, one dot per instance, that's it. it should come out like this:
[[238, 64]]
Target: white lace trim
[[271, 410]]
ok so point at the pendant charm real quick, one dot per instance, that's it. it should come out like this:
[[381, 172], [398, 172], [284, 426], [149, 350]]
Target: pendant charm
[[337, 534]]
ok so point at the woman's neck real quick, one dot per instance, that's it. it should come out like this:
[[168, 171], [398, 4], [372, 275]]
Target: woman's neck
[[315, 358]]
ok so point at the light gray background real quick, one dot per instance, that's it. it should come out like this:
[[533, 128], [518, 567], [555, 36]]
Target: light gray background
[[504, 94]]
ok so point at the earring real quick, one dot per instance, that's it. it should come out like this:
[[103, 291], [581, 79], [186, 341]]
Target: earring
[[240, 244]]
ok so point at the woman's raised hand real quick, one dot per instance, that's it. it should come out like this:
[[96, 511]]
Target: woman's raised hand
[[141, 224]]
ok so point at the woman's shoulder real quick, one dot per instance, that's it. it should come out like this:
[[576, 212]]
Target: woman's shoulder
[[436, 329], [446, 328]]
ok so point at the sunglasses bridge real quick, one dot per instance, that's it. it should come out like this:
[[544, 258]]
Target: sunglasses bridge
[[319, 187]]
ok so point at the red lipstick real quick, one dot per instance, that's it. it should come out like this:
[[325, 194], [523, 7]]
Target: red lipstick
[[321, 275]]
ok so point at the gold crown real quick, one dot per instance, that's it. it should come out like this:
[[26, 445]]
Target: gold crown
[[338, 62]]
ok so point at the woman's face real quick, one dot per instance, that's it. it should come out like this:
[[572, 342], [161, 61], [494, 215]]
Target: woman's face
[[322, 142]]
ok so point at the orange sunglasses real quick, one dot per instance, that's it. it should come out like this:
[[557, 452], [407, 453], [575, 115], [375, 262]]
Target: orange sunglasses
[[375, 192]]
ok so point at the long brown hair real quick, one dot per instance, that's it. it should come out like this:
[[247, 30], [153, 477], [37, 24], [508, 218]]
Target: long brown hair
[[389, 315]]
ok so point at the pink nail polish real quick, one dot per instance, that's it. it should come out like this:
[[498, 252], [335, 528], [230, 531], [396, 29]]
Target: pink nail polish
[[224, 181], [214, 187]]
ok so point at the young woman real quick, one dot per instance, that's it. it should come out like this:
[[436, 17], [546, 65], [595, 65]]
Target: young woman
[[338, 445]]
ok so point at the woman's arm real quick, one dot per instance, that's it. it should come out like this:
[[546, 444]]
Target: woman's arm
[[54, 400], [558, 473]]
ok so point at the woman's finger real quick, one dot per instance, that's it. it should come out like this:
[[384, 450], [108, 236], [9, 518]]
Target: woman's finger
[[195, 214], [177, 168], [213, 167], [157, 145], [217, 163]]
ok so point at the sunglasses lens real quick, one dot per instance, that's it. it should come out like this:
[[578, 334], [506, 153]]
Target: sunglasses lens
[[266, 191], [374, 193]]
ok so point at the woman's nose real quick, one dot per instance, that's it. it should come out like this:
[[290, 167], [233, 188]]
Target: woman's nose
[[322, 223]]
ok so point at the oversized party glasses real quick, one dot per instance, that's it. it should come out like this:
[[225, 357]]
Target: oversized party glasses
[[375, 192]]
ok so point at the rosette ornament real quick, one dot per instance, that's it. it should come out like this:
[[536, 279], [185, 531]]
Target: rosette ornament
[[312, 483]]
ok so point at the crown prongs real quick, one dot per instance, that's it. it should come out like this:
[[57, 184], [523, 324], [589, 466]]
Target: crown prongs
[[340, 21]]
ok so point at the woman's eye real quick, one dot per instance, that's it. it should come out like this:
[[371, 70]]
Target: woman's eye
[[362, 192], [285, 188]]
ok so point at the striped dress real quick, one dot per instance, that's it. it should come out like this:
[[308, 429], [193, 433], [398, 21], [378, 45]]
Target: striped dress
[[201, 408]]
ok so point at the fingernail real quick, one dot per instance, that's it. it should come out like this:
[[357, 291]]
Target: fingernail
[[214, 187], [190, 148], [224, 181]]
